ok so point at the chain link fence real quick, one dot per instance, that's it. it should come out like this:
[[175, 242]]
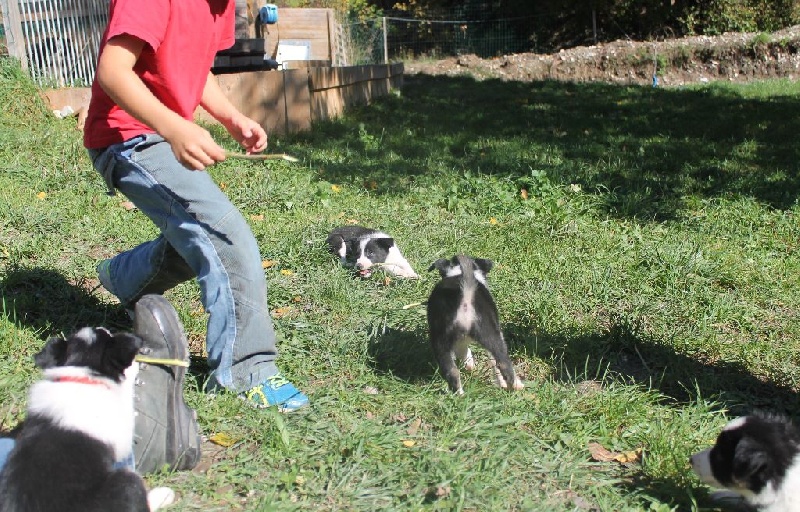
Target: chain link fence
[[399, 36]]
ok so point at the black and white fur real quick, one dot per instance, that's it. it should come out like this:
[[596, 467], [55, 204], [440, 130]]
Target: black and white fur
[[755, 458], [79, 422], [460, 310], [365, 248]]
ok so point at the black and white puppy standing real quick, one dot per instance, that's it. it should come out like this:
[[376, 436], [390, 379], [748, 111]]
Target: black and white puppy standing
[[755, 458], [460, 310], [365, 248], [79, 422]]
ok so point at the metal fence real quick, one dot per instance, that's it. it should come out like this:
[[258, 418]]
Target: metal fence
[[56, 40], [394, 39]]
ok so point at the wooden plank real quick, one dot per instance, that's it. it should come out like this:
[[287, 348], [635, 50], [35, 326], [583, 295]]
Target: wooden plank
[[257, 94], [306, 24], [303, 64], [284, 101], [298, 100], [324, 78], [15, 41]]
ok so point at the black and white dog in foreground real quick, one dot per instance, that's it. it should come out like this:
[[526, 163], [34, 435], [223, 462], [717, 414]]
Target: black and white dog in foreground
[[460, 310], [365, 248], [755, 459], [79, 422]]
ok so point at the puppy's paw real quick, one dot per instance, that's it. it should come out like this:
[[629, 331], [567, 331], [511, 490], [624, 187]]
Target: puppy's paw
[[469, 361], [518, 385], [160, 497]]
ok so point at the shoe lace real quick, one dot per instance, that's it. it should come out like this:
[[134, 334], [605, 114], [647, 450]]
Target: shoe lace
[[276, 381]]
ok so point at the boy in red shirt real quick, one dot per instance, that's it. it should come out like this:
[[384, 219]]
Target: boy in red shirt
[[152, 73]]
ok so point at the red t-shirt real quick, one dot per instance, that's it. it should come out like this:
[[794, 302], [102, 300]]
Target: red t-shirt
[[182, 37]]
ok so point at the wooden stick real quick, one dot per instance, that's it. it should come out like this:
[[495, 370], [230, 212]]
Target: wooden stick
[[272, 156]]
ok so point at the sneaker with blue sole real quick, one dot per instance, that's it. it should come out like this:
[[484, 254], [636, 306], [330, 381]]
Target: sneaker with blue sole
[[278, 392]]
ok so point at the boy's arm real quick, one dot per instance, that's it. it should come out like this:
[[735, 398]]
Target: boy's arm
[[193, 146], [246, 131]]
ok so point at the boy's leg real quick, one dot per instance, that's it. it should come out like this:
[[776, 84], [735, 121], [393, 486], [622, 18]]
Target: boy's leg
[[6, 445], [214, 240]]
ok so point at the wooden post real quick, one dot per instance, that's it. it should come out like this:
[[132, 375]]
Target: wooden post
[[385, 44], [242, 16], [15, 41]]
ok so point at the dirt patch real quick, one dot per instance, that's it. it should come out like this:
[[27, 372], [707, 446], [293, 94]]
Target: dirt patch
[[736, 57]]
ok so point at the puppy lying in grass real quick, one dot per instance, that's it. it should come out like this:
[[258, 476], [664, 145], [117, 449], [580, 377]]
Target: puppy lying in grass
[[365, 249]]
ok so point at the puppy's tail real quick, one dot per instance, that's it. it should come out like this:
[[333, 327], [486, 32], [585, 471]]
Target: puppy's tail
[[468, 283]]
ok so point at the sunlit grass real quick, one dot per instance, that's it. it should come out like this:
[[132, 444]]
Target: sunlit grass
[[646, 273]]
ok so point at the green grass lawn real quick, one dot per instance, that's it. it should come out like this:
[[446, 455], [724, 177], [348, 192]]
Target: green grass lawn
[[647, 254]]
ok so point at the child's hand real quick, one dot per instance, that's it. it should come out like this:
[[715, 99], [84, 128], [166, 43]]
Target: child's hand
[[248, 133], [193, 145]]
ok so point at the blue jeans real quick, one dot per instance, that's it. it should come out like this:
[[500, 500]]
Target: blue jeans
[[7, 444], [203, 236]]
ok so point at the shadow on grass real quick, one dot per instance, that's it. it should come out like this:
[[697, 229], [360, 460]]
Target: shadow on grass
[[50, 304], [620, 353], [642, 150], [406, 355]]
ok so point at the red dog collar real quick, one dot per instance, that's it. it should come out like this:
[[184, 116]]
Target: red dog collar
[[80, 380]]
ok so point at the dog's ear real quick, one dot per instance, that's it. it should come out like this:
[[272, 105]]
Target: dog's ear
[[120, 350], [335, 242], [441, 265], [53, 354], [484, 265], [751, 465], [385, 243]]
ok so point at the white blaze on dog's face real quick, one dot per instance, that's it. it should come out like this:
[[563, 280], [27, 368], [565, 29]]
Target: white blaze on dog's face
[[701, 464], [382, 251], [455, 270]]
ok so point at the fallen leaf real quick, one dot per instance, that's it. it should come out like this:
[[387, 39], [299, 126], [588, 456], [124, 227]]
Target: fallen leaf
[[352, 221], [523, 193], [286, 272], [413, 427], [336, 189], [41, 195], [603, 454], [268, 263], [408, 443], [370, 390], [222, 185], [493, 221], [297, 299], [387, 281], [222, 439], [281, 312], [128, 205], [260, 216]]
